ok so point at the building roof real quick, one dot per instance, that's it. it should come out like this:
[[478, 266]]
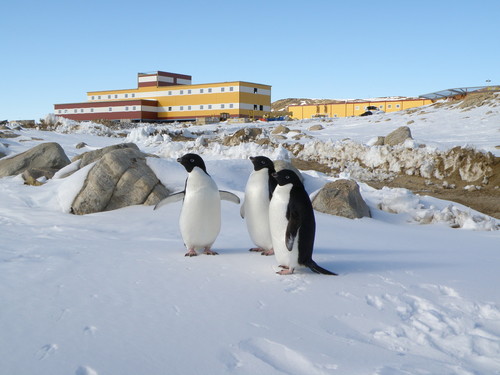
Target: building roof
[[457, 91]]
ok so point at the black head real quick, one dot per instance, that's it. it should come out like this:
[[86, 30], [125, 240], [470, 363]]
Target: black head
[[287, 176], [189, 161], [260, 162]]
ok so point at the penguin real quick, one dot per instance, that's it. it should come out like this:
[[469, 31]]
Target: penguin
[[255, 207], [200, 218], [292, 224]]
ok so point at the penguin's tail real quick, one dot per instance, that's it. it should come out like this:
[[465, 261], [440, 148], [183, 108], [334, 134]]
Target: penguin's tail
[[311, 264]]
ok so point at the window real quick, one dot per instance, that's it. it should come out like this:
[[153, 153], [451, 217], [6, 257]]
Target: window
[[201, 91], [126, 95], [356, 108], [181, 108], [231, 105], [109, 96], [60, 111], [110, 109], [222, 106], [210, 106], [222, 89], [201, 106], [170, 93], [76, 110], [397, 105], [126, 108], [133, 108], [116, 96], [182, 92], [170, 109], [99, 97], [381, 106], [93, 97], [81, 110], [389, 106], [133, 95], [261, 107], [255, 90], [209, 90], [231, 88], [189, 107], [189, 92], [65, 111], [255, 107], [91, 109]]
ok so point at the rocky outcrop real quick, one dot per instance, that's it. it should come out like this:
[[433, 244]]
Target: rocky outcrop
[[341, 198], [242, 136], [48, 157], [398, 136], [119, 178]]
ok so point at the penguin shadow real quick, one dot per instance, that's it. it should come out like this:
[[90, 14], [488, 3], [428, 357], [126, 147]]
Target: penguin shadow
[[348, 261]]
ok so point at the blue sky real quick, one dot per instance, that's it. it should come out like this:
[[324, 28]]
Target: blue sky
[[55, 51]]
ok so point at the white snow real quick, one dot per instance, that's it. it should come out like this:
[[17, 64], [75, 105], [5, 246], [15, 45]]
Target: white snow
[[112, 293]]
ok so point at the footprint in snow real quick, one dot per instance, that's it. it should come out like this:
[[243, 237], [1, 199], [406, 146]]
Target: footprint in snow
[[85, 370], [46, 351], [280, 357], [90, 330]]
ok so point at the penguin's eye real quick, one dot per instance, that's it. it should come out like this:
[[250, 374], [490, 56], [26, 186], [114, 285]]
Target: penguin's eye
[[191, 160], [262, 162], [287, 177]]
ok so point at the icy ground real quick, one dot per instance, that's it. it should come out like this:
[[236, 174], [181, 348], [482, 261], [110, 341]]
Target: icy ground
[[112, 293]]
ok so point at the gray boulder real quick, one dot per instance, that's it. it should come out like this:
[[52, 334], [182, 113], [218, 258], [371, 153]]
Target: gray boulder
[[286, 164], [91, 156], [242, 135], [280, 129], [341, 198], [120, 178], [316, 127], [46, 156], [379, 142], [398, 136]]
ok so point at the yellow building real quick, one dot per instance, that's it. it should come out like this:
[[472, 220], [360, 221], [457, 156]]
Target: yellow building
[[353, 107], [163, 96]]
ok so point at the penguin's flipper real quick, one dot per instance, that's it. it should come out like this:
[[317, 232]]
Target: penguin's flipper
[[292, 228], [242, 210], [170, 199], [227, 196]]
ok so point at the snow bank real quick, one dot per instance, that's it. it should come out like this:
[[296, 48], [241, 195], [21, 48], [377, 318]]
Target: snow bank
[[427, 210]]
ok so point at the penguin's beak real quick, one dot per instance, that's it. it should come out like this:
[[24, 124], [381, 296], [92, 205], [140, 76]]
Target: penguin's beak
[[251, 158], [275, 175], [179, 160]]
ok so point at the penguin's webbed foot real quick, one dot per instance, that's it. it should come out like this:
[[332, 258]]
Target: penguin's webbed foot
[[285, 271], [256, 249], [191, 253], [268, 252], [209, 252]]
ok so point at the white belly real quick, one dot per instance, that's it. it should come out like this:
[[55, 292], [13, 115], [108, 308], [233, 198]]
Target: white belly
[[200, 218], [257, 209], [278, 224]]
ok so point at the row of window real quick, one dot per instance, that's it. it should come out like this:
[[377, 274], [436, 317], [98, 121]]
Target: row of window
[[201, 107], [170, 109], [115, 96], [110, 109], [208, 90]]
